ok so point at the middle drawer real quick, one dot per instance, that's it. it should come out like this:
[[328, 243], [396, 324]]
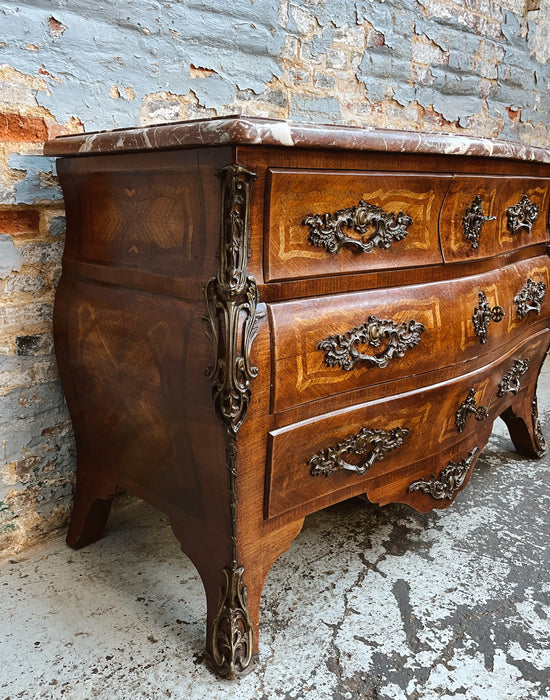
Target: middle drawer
[[332, 344]]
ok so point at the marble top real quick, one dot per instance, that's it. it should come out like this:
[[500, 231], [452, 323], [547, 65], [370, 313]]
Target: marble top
[[241, 130]]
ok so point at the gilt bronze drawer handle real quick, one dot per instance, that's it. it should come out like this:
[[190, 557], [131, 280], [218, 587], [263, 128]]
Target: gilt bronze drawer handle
[[510, 382], [469, 406], [326, 229], [522, 215], [449, 481], [530, 298], [474, 220], [483, 315], [372, 445], [341, 351]]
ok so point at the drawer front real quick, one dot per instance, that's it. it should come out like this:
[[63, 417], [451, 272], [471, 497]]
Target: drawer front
[[395, 441], [327, 345], [328, 223], [487, 216]]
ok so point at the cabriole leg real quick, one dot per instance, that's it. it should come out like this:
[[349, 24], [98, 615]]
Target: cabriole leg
[[522, 420], [92, 504]]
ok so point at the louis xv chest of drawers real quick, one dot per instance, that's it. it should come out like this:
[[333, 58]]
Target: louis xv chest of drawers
[[257, 319]]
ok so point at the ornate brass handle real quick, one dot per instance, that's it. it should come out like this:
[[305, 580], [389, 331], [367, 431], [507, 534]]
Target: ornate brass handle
[[530, 298], [371, 445], [341, 350], [449, 481], [483, 315], [326, 229], [511, 380], [522, 215], [473, 220], [469, 406]]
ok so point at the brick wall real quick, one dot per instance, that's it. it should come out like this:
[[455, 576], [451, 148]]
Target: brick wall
[[479, 67]]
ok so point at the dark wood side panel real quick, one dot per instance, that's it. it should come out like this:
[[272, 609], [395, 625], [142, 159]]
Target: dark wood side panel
[[140, 400], [155, 213]]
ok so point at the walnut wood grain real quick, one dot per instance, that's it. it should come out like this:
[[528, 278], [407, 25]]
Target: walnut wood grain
[[445, 309], [293, 195], [160, 249], [497, 194], [428, 415]]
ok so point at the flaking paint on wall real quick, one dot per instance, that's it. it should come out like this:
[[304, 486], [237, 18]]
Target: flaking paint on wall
[[140, 45], [100, 60], [38, 183], [10, 258]]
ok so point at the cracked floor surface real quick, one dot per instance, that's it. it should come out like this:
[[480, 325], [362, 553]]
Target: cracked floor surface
[[369, 603]]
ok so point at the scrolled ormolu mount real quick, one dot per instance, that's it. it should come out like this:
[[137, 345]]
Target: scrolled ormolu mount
[[449, 480], [469, 406], [511, 380], [473, 220], [483, 315], [371, 444], [530, 298], [232, 316], [540, 442], [340, 350], [522, 215], [326, 229], [232, 629]]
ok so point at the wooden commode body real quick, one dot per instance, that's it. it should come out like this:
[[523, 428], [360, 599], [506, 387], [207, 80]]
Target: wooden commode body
[[258, 319]]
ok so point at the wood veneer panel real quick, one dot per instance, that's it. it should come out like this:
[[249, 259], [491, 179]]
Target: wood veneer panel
[[294, 195], [497, 194], [445, 309], [429, 415]]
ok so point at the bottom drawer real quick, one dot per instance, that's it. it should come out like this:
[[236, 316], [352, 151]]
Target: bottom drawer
[[380, 448]]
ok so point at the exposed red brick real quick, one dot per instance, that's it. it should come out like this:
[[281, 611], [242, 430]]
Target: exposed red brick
[[514, 114], [56, 27], [432, 117], [15, 127], [19, 221], [375, 38], [200, 72]]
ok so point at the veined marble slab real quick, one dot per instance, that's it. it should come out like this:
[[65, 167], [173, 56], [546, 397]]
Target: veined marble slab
[[240, 130]]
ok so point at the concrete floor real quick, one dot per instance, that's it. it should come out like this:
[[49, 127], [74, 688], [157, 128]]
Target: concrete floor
[[370, 603]]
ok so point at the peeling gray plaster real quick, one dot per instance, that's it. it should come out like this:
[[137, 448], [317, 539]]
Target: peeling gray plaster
[[388, 65], [148, 46], [10, 258], [144, 45], [58, 226], [26, 413], [315, 109], [455, 92], [39, 183], [28, 420]]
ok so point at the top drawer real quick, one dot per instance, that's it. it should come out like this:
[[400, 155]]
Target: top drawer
[[486, 216], [323, 222]]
